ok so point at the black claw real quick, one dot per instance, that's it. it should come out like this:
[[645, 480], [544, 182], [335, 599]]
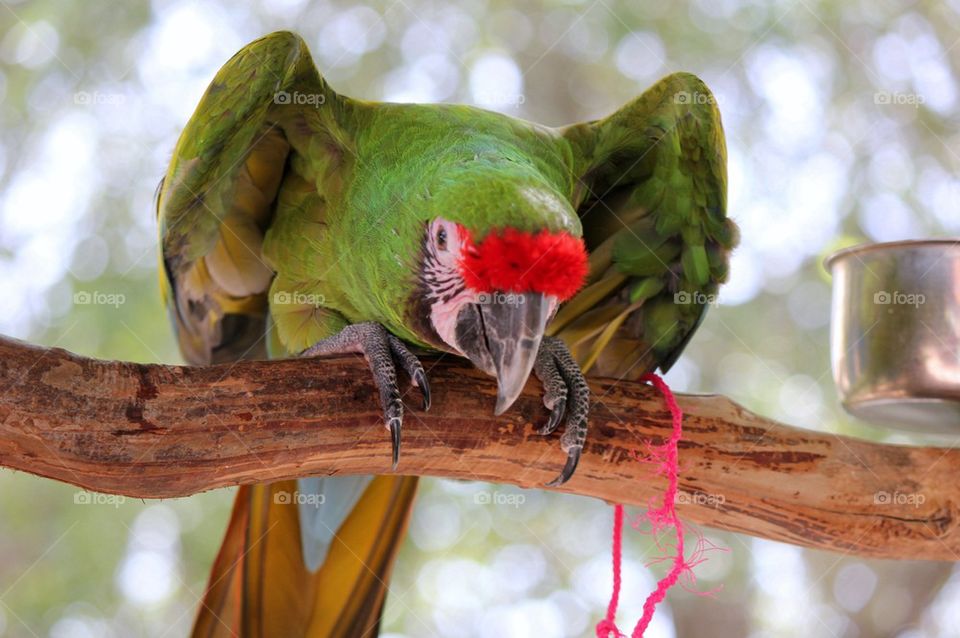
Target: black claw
[[556, 415], [573, 458], [381, 349], [395, 425], [420, 378]]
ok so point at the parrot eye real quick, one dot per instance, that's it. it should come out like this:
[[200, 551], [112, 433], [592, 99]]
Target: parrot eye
[[442, 238]]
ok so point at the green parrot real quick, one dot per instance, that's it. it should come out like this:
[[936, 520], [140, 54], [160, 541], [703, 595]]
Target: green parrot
[[295, 221]]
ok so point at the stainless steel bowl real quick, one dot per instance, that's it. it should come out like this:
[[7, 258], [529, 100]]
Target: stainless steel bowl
[[895, 333]]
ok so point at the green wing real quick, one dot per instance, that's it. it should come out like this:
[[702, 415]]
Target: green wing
[[652, 200], [218, 197]]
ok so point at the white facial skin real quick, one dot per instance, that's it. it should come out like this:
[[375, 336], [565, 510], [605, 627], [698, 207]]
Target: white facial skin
[[448, 294]]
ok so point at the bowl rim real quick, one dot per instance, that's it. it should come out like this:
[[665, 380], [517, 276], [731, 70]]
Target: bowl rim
[[867, 247]]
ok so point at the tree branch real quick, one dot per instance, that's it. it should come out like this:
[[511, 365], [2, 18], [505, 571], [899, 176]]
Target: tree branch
[[156, 431]]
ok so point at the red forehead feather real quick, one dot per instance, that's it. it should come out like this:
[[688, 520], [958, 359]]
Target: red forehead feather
[[515, 261]]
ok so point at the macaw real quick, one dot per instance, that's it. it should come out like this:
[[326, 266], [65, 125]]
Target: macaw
[[298, 221]]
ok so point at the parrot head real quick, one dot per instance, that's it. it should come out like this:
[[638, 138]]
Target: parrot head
[[490, 283]]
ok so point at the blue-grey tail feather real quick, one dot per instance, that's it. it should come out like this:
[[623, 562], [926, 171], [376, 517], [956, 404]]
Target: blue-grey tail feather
[[324, 503]]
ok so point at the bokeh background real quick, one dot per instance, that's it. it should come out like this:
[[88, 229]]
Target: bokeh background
[[841, 120]]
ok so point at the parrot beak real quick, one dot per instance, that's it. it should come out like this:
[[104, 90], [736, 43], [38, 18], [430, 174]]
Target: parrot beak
[[501, 335]]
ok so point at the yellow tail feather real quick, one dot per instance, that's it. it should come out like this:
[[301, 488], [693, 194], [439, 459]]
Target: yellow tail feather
[[260, 588]]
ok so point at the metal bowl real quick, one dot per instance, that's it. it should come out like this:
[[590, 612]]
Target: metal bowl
[[895, 333]]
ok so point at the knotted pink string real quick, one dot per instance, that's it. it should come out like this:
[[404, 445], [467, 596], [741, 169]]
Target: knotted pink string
[[665, 458], [607, 625]]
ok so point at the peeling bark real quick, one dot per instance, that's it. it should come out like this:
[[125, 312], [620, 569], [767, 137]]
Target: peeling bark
[[154, 431]]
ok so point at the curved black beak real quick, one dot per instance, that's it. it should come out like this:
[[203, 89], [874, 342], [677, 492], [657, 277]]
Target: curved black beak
[[501, 333]]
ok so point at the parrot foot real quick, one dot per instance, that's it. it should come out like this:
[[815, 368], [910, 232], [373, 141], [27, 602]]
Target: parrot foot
[[381, 349], [562, 382]]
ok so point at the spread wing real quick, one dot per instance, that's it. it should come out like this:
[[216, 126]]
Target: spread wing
[[219, 195], [652, 201]]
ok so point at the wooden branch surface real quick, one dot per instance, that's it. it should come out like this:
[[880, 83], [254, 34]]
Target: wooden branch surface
[[156, 431]]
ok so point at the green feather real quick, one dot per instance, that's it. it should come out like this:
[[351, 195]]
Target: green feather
[[646, 288], [329, 198], [695, 264]]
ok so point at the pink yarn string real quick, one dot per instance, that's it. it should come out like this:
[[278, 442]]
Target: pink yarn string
[[665, 458], [607, 626]]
